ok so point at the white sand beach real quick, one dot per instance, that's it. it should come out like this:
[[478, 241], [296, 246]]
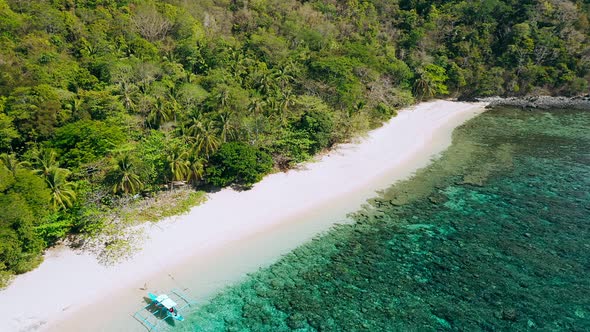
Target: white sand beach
[[233, 233]]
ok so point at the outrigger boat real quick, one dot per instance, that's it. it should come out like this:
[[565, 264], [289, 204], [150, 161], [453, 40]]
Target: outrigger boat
[[163, 307], [166, 305]]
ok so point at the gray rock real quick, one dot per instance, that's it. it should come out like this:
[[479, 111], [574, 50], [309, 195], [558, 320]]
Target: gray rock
[[540, 102]]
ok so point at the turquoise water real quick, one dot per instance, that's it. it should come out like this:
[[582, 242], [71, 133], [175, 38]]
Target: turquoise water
[[495, 235]]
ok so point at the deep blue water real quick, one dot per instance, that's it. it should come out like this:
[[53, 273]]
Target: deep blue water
[[493, 236]]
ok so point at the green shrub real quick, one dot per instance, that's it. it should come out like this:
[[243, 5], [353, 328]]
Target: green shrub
[[5, 278], [317, 125], [238, 163]]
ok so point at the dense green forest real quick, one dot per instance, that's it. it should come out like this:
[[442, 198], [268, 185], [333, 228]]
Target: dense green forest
[[103, 99]]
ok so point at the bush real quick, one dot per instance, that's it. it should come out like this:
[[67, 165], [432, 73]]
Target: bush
[[316, 124], [5, 278], [238, 163], [55, 229]]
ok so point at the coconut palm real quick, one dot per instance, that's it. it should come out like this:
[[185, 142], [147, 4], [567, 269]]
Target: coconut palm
[[264, 82], [196, 168], [274, 110], [122, 77], [159, 113], [12, 163], [207, 141], [123, 176], [425, 84], [285, 102], [129, 92], [282, 76], [205, 136], [63, 192], [225, 126], [192, 126], [222, 96], [255, 126], [256, 106], [172, 95], [178, 165], [44, 162], [74, 105], [238, 65]]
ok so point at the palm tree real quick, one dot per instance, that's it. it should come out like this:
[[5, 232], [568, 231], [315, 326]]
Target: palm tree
[[206, 137], [423, 86], [172, 94], [11, 162], [237, 65], [196, 168], [225, 126], [44, 162], [282, 76], [159, 113], [122, 77], [256, 106], [129, 92], [178, 165], [274, 110], [74, 105], [194, 122], [287, 100], [63, 193], [207, 141], [223, 95], [123, 176], [263, 79]]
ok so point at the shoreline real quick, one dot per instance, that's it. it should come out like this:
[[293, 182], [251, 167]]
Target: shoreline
[[219, 243]]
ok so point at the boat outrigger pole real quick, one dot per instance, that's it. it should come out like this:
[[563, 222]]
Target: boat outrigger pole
[[163, 307]]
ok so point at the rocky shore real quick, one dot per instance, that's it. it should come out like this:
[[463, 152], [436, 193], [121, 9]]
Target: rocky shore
[[540, 102]]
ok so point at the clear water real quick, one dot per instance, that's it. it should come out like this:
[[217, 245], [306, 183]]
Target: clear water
[[495, 235]]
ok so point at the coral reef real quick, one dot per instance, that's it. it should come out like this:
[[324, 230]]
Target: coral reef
[[492, 236]]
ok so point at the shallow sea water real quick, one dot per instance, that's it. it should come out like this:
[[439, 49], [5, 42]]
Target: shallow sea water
[[493, 236]]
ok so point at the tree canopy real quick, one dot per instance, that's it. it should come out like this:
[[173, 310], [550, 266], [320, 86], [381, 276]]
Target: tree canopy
[[238, 163], [132, 96]]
